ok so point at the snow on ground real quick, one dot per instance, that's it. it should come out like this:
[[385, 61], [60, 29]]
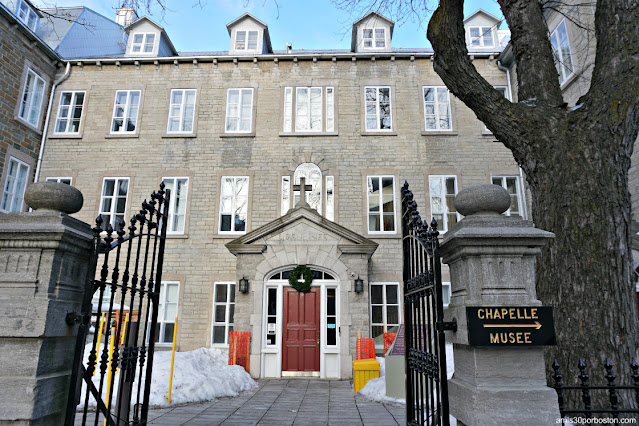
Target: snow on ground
[[199, 375], [375, 389]]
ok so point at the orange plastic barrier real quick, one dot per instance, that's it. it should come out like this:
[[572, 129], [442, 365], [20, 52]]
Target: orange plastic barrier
[[239, 348], [389, 338], [365, 348]]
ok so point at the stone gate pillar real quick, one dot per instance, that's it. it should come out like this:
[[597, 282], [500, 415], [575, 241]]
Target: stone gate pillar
[[492, 265], [43, 265]]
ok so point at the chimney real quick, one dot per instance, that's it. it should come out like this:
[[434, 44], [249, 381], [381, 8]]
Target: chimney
[[289, 47], [125, 16]]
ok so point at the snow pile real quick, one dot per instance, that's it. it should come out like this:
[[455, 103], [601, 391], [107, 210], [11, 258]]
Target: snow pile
[[199, 375], [375, 389]]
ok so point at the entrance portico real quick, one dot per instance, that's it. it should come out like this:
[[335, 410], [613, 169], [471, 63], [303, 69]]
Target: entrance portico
[[302, 333]]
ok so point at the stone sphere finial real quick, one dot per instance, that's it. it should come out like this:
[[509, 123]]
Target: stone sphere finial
[[482, 199], [53, 196]]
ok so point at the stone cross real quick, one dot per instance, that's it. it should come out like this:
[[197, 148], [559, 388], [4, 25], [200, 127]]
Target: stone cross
[[303, 188]]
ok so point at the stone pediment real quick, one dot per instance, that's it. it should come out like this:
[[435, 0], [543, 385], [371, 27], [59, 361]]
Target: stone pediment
[[304, 226]]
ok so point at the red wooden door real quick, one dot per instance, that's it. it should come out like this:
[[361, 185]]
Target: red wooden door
[[300, 338]]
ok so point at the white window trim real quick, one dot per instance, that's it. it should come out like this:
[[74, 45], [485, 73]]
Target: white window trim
[[39, 107], [290, 110], [377, 111], [384, 306], [239, 110], [25, 20], [144, 43], [443, 227], [227, 313], [161, 322], [127, 106], [446, 286], [308, 109], [4, 184], [560, 55], [373, 38], [450, 115], [482, 44], [185, 199], [112, 213], [59, 178], [71, 106], [520, 199], [381, 209], [181, 115], [246, 41], [219, 213]]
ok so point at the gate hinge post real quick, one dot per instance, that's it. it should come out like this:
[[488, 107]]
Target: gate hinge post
[[72, 318], [447, 326]]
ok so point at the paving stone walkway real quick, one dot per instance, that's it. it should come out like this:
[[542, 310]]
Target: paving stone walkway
[[285, 402]]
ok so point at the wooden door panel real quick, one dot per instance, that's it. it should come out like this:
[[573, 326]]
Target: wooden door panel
[[300, 351]]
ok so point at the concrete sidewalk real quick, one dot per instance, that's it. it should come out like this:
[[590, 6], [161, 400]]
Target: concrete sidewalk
[[286, 402]]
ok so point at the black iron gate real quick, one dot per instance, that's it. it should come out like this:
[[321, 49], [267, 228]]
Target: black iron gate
[[426, 380], [128, 282]]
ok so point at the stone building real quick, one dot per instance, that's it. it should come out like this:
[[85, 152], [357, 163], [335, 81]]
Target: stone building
[[231, 133], [28, 72]]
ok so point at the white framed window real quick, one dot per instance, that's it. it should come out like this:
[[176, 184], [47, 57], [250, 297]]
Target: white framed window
[[446, 293], [381, 204], [241, 42], [385, 310], [66, 180], [437, 114], [125, 111], [373, 38], [181, 111], [239, 110], [330, 109], [331, 317], [14, 186], [308, 109], [233, 204], [179, 187], [32, 95], [271, 316], [378, 108], [286, 194], [312, 114], [69, 113], [167, 311], [562, 52], [143, 43], [512, 185], [223, 312], [330, 198], [27, 15], [481, 36], [113, 201], [313, 176], [442, 201]]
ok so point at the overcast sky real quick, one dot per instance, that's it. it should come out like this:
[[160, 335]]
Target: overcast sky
[[307, 24]]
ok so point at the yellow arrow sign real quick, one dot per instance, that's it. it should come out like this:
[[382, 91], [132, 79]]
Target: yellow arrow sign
[[536, 325]]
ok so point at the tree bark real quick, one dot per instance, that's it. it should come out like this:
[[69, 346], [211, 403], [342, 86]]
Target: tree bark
[[576, 164]]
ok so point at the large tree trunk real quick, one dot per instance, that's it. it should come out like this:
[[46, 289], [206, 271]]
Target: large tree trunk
[[576, 163]]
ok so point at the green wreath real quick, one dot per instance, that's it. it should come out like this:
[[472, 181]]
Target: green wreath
[[295, 274]]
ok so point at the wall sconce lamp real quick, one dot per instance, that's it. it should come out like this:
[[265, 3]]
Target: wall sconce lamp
[[244, 286], [359, 285]]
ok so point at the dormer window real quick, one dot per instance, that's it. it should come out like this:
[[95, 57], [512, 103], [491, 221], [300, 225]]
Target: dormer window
[[241, 41], [374, 38], [143, 43], [27, 15], [481, 37]]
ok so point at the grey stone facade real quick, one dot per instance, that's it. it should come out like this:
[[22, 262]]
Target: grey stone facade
[[199, 258]]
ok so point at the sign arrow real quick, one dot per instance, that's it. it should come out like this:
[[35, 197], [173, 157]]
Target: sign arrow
[[536, 325]]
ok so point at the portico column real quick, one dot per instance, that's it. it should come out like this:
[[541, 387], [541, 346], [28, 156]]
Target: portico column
[[492, 268]]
